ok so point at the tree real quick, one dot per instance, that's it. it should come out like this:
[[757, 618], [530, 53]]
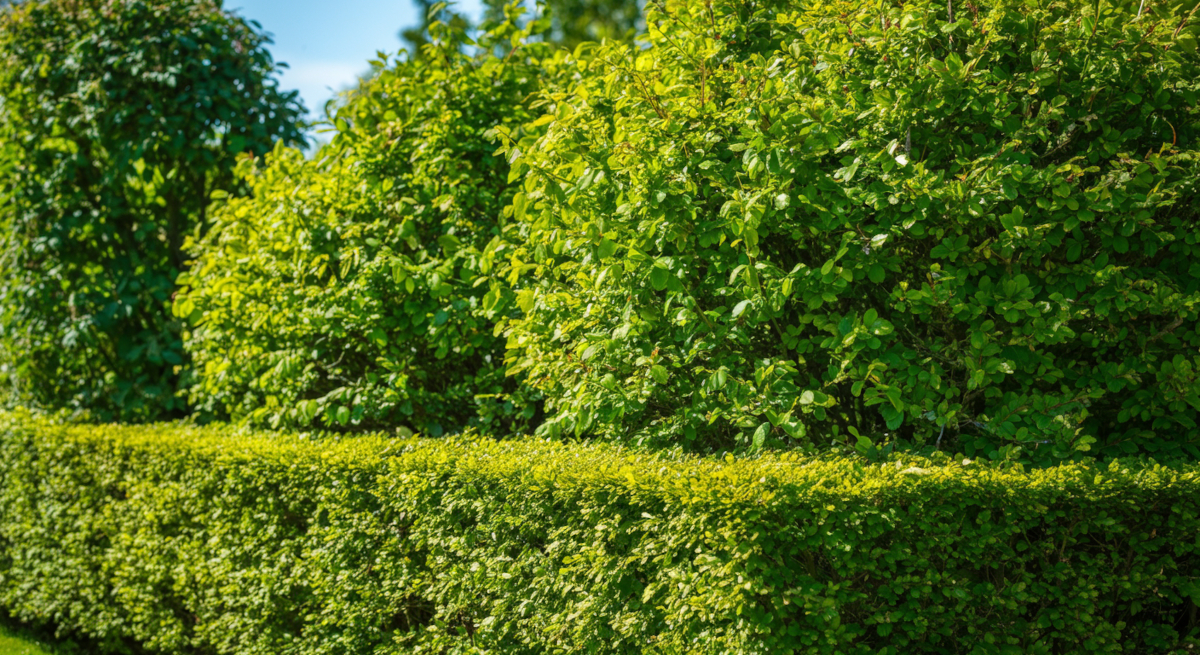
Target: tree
[[119, 119], [872, 225]]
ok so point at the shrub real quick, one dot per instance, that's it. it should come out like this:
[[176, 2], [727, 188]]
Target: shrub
[[117, 119], [207, 540], [872, 224], [355, 290]]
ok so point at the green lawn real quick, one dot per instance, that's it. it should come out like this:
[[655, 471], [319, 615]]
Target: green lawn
[[13, 645]]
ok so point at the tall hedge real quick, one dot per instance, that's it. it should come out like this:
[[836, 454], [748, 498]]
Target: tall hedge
[[117, 120], [190, 540], [967, 226], [355, 289]]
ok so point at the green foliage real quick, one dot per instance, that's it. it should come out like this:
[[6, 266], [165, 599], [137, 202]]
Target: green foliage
[[568, 22], [355, 290], [117, 120], [572, 22], [872, 223], [439, 13], [214, 541]]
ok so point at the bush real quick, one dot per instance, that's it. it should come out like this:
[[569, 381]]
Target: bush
[[117, 119], [355, 290], [209, 540], [865, 223]]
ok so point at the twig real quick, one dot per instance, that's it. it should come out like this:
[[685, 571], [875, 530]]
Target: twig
[[1185, 20], [950, 18]]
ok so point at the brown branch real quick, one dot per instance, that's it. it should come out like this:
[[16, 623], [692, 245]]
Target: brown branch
[[1183, 22], [1167, 330]]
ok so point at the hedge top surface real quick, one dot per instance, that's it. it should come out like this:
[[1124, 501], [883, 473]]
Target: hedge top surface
[[549, 464]]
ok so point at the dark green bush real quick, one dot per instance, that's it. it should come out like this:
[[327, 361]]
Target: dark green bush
[[193, 540], [873, 223], [117, 120], [355, 290]]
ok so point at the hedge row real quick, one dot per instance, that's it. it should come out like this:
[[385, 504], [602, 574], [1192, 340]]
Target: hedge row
[[184, 540], [768, 225]]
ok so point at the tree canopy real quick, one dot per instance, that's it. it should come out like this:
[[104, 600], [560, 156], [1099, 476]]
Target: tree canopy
[[118, 120]]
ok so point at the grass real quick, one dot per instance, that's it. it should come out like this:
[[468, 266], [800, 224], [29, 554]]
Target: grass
[[11, 644], [17, 638]]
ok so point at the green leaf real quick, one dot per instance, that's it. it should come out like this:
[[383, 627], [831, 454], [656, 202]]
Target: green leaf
[[526, 299], [760, 435], [954, 63], [520, 202], [658, 277], [659, 373], [850, 171], [863, 445], [893, 417]]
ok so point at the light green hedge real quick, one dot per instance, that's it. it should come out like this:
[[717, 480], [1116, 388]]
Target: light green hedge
[[209, 541]]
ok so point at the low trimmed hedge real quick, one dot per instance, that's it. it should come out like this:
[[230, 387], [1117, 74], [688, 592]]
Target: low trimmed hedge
[[205, 540]]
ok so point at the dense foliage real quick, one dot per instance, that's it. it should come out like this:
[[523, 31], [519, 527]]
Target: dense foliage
[[117, 120], [874, 227], [207, 541], [919, 223], [355, 289]]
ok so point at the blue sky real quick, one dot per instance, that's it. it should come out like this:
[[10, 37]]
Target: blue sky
[[327, 44]]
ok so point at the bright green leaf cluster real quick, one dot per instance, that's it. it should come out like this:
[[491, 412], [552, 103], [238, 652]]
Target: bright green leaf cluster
[[872, 224], [184, 539], [356, 289], [117, 120]]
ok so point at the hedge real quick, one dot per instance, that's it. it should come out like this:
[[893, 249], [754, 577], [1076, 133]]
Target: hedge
[[353, 289], [210, 540], [786, 224]]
